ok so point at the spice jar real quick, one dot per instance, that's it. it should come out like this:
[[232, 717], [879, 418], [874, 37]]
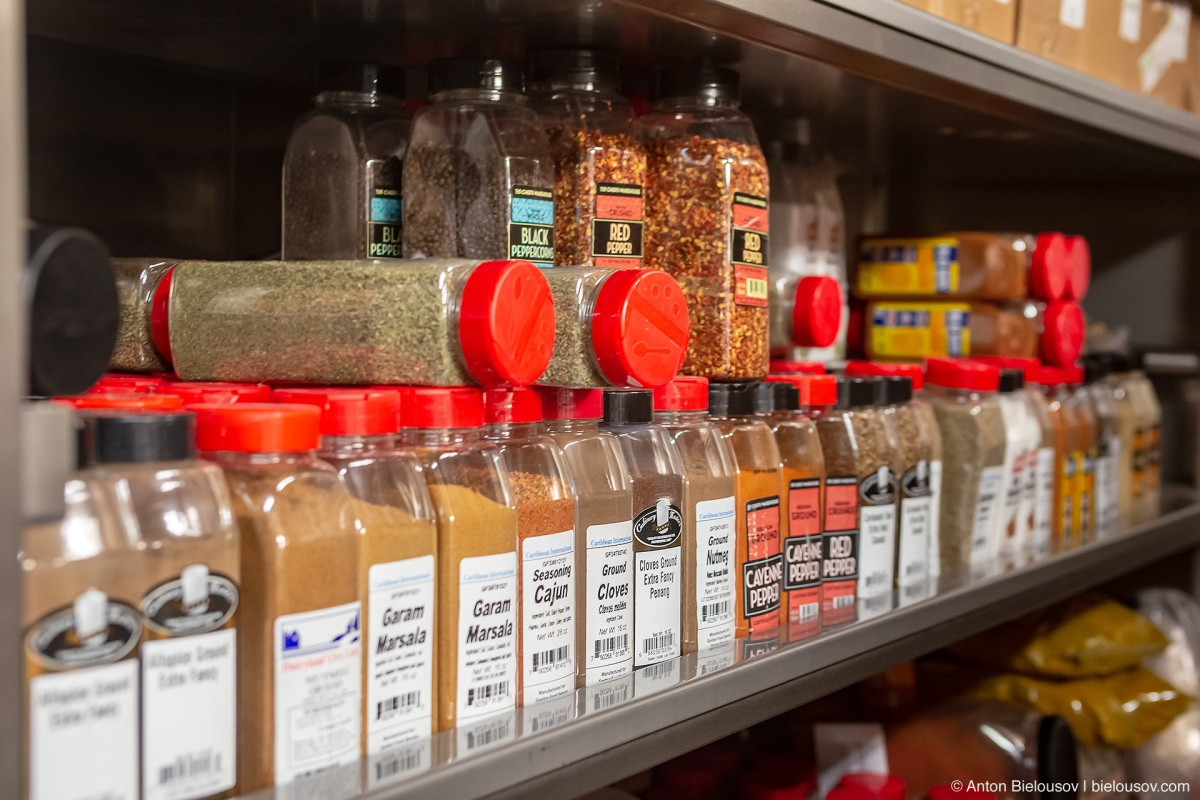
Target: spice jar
[[1126, 427], [192, 392], [660, 561], [777, 402], [545, 501], [82, 579], [479, 177], [615, 327], [342, 167], [299, 633], [1065, 427], [477, 586], [1009, 538], [397, 543], [809, 311], [1146, 482], [603, 532], [137, 282], [599, 164], [1106, 497], [443, 322], [759, 514], [963, 395], [189, 601], [1083, 525], [709, 531], [707, 217]]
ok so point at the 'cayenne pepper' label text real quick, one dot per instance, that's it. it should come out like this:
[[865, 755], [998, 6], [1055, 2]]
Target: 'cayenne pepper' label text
[[802, 553], [763, 571]]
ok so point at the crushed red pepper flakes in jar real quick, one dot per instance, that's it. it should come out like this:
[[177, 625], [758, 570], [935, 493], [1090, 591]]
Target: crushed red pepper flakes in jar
[[707, 196]]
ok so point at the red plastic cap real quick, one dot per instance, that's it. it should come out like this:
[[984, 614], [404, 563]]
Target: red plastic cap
[[950, 793], [1063, 331], [349, 412], [1050, 267], [192, 392], [682, 394], [874, 785], [792, 367], [442, 407], [1051, 376], [506, 323], [640, 328], [817, 311], [1030, 366], [160, 315], [125, 402], [256, 428], [819, 390], [571, 403], [118, 383], [910, 371], [511, 406], [1081, 268], [957, 373], [1072, 375]]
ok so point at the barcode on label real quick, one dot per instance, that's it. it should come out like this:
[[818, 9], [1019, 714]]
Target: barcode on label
[[714, 610], [547, 657], [873, 580], [611, 644], [843, 601], [809, 612], [386, 709], [618, 695], [398, 764], [189, 766], [658, 640], [483, 695], [485, 737]]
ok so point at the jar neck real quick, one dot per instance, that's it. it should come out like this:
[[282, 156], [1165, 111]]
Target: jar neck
[[511, 432], [681, 416], [588, 84], [435, 437], [477, 96], [237, 458], [353, 446], [358, 101], [708, 99], [576, 426]]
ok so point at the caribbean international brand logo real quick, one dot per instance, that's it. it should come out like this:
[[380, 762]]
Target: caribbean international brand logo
[[878, 488], [92, 630], [915, 482], [660, 525], [195, 602]]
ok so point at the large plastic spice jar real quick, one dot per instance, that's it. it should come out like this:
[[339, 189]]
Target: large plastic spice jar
[[1147, 445], [1011, 538], [603, 532], [439, 322], [1108, 447], [477, 584], [189, 603], [707, 217], [681, 407], [479, 177], [1083, 451], [300, 633], [342, 167], [137, 282], [82, 580], [660, 560], [977, 266], [599, 164], [1064, 426], [615, 327], [963, 394], [397, 544]]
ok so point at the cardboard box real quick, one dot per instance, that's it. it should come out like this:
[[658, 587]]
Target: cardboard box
[[994, 18]]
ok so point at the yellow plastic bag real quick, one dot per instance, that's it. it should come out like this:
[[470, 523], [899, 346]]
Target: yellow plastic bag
[[1088, 636]]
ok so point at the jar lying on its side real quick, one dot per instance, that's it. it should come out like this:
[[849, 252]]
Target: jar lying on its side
[[137, 284]]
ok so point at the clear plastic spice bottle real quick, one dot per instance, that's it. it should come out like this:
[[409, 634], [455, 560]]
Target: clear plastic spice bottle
[[603, 532], [1084, 451], [660, 561], [1146, 486], [397, 543], [808, 313], [441, 322], [709, 614], [477, 580], [545, 500], [1126, 431], [1063, 424], [137, 282], [963, 395], [707, 217], [299, 633], [1108, 447], [342, 167], [184, 525], [599, 164], [615, 327], [82, 580], [777, 402], [479, 177]]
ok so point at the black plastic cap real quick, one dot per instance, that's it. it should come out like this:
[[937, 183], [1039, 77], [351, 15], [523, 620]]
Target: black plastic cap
[[491, 74], [897, 389], [776, 396], [698, 80], [628, 407], [857, 392], [1057, 757], [1121, 362], [350, 76], [1011, 380], [114, 437], [733, 399], [72, 308], [1095, 369], [575, 66]]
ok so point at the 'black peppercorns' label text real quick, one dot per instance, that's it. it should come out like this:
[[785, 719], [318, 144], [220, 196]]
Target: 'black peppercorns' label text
[[384, 209], [748, 241], [531, 229], [617, 227]]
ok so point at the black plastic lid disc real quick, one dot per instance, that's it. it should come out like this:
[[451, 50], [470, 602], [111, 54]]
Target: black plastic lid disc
[[776, 396], [72, 308], [628, 407], [732, 399], [698, 80], [115, 437], [858, 392], [492, 74], [1057, 757], [1011, 380], [350, 76], [897, 389], [575, 66]]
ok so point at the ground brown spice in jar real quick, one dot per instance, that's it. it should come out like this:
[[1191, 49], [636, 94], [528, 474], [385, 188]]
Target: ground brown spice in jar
[[973, 440], [137, 279]]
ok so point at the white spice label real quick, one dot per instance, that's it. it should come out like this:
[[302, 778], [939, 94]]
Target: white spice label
[[83, 733], [876, 548], [1028, 513], [609, 603], [715, 524], [913, 545], [656, 605], [1108, 490], [1043, 508], [1072, 13], [189, 715], [400, 653], [1007, 544], [548, 616], [935, 521], [987, 505], [487, 635], [318, 690]]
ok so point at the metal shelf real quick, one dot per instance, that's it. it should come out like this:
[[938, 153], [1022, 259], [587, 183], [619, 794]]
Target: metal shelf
[[679, 707]]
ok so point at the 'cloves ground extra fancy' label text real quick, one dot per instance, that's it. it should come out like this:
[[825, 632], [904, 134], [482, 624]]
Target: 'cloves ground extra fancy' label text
[[658, 583], [802, 555], [715, 529], [915, 518], [384, 209], [762, 573], [877, 495], [617, 226], [487, 635], [547, 616], [531, 228], [609, 602], [748, 248], [839, 564]]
